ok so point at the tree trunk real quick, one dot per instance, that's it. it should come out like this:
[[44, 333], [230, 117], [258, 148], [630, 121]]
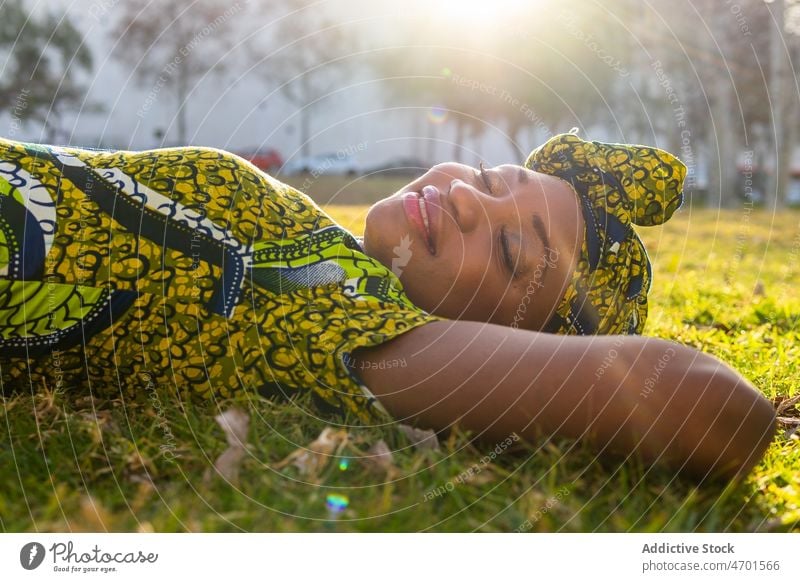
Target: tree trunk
[[430, 141], [792, 135], [181, 114], [722, 166], [458, 142], [727, 147], [778, 179], [722, 135], [305, 132], [305, 117], [513, 130]]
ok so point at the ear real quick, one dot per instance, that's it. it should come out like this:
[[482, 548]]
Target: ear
[[651, 179]]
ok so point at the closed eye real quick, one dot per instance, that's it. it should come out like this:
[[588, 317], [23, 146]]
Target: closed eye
[[505, 253]]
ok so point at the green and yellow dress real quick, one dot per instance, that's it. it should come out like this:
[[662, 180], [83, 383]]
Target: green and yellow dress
[[182, 267]]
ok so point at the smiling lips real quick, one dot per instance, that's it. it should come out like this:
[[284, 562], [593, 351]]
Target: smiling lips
[[422, 210]]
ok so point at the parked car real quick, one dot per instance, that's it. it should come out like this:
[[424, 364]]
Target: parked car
[[400, 167], [266, 159], [333, 164], [793, 190]]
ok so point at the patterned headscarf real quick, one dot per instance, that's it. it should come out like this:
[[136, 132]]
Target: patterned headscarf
[[618, 185]]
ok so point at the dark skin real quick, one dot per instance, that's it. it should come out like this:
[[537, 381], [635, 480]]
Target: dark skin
[[473, 275], [701, 418], [696, 416]]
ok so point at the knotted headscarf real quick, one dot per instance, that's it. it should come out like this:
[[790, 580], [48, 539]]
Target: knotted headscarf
[[618, 185]]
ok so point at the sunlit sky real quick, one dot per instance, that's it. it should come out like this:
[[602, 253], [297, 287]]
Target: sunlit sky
[[483, 12], [230, 111]]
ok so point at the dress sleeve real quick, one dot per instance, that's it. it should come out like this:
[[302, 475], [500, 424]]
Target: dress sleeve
[[335, 299], [366, 322], [187, 267]]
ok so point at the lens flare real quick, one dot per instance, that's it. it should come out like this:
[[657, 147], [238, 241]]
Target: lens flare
[[479, 14], [343, 464], [437, 115], [336, 503]]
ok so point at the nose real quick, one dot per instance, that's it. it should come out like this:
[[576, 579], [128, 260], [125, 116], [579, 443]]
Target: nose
[[470, 204]]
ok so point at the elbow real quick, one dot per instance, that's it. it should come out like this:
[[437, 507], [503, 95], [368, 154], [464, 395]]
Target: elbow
[[749, 442], [740, 423]]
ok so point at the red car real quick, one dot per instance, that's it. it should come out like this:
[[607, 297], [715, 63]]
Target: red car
[[266, 159]]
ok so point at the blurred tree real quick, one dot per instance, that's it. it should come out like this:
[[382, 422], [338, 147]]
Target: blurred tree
[[172, 44], [713, 61], [436, 81], [40, 78], [566, 63], [781, 98], [792, 17], [304, 54], [539, 65]]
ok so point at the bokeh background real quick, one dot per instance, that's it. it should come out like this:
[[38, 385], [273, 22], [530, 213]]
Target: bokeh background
[[348, 100], [370, 86]]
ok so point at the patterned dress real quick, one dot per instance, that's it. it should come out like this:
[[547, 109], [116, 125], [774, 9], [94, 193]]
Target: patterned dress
[[187, 268]]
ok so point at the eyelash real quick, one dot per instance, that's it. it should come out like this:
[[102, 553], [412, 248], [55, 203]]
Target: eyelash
[[485, 176], [506, 252]]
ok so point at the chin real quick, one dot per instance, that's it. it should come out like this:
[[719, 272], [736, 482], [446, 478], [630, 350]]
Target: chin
[[378, 232]]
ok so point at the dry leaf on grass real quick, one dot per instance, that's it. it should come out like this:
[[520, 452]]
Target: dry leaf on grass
[[99, 422], [379, 458], [93, 516], [311, 460], [783, 404], [47, 409], [421, 439], [235, 423], [483, 475], [137, 468], [788, 412]]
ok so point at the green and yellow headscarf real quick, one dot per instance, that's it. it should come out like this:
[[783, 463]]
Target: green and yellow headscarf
[[618, 185]]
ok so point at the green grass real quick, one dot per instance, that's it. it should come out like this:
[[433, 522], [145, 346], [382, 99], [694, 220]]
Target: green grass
[[346, 190], [724, 283]]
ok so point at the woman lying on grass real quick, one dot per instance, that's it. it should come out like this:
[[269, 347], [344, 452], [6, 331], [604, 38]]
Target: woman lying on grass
[[476, 296]]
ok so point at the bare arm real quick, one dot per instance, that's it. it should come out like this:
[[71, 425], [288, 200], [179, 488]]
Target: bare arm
[[663, 401]]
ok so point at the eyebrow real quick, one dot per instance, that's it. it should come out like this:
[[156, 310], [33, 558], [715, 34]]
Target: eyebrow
[[522, 176], [538, 226], [541, 232]]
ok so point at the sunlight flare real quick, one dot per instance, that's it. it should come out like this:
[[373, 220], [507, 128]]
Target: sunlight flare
[[477, 16]]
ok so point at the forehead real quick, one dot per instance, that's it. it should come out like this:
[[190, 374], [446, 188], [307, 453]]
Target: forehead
[[535, 190], [519, 177], [520, 174]]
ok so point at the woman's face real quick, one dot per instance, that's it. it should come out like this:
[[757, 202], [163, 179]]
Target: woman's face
[[497, 245]]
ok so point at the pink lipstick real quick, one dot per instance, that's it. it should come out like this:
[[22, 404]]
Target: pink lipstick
[[423, 211]]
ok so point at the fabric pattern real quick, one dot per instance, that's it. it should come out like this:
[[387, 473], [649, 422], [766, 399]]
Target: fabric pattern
[[618, 185], [187, 268]]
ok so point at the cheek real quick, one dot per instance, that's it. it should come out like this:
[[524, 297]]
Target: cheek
[[379, 231], [469, 277], [429, 282], [472, 265]]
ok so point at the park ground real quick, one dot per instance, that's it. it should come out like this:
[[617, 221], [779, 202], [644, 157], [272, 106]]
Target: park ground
[[725, 282]]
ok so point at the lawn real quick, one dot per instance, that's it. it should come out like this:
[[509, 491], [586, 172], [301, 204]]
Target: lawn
[[724, 282]]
